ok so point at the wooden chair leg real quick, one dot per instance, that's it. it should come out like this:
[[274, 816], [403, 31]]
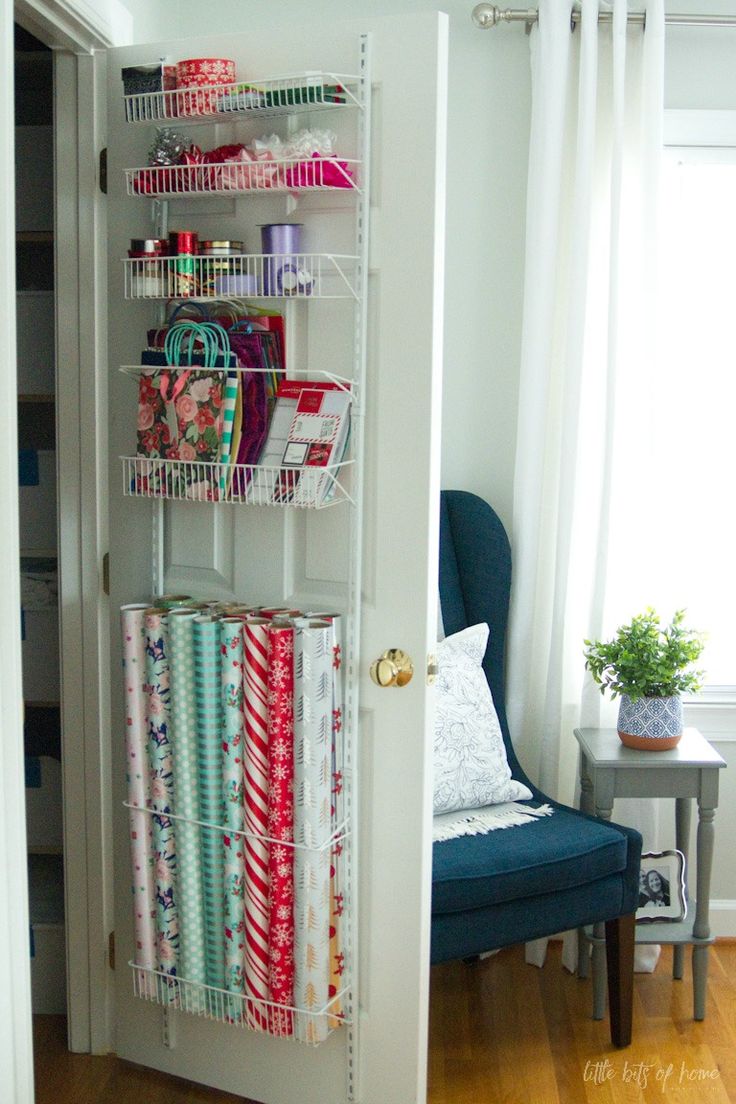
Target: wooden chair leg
[[620, 966]]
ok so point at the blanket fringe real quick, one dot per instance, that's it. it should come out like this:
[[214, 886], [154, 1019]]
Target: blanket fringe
[[476, 822]]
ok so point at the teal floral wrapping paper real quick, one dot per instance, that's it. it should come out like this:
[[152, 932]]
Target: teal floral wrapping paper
[[186, 793], [231, 647], [162, 788], [208, 691], [139, 790]]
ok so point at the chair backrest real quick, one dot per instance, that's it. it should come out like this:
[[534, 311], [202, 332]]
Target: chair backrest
[[475, 586]]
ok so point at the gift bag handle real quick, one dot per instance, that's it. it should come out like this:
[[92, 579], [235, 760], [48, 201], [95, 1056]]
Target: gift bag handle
[[174, 316]]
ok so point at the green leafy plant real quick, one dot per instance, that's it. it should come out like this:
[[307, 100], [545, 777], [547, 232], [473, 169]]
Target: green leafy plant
[[645, 660]]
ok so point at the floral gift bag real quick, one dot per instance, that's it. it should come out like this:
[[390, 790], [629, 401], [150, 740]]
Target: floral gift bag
[[181, 413]]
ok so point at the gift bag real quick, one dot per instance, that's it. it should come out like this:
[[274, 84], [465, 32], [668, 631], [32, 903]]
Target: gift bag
[[259, 377], [182, 405]]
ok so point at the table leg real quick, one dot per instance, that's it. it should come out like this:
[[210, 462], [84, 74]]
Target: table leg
[[587, 805], [683, 807], [701, 927]]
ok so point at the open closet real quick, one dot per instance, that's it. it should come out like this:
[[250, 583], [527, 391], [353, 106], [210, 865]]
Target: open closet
[[37, 475]]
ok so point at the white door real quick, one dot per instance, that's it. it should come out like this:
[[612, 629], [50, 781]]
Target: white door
[[301, 558]]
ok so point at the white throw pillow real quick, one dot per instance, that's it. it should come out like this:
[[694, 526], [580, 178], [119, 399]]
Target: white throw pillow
[[470, 765]]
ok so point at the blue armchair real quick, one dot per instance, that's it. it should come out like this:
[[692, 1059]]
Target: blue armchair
[[559, 872]]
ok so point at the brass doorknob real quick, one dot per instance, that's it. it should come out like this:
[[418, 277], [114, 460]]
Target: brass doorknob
[[392, 668]]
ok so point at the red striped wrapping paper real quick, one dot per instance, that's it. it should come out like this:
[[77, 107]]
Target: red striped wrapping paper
[[255, 703], [281, 825]]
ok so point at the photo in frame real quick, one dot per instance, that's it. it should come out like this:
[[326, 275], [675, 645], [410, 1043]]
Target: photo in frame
[[662, 892]]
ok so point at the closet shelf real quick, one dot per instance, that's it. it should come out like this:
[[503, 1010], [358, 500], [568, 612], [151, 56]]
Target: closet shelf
[[264, 99], [305, 1025], [316, 174], [28, 397], [246, 275], [240, 484]]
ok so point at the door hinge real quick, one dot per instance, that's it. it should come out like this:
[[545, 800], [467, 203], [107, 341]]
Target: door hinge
[[111, 950], [106, 573], [103, 171]]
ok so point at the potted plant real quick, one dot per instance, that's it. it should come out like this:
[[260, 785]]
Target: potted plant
[[649, 667]]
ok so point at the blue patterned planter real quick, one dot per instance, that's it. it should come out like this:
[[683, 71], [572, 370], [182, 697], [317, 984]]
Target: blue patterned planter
[[650, 724]]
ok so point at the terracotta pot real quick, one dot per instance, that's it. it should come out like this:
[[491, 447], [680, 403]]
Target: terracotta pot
[[650, 724]]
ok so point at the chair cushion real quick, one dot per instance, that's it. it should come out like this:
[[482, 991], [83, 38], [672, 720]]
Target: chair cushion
[[558, 852]]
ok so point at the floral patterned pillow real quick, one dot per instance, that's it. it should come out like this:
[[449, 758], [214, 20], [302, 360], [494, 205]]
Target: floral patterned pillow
[[470, 765]]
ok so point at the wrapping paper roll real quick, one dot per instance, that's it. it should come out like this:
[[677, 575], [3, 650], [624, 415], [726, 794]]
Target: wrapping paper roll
[[231, 647], [209, 756], [162, 788], [186, 795], [337, 957], [139, 789], [312, 822], [281, 825], [172, 601], [255, 677]]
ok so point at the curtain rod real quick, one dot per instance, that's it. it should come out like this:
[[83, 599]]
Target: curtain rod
[[488, 15]]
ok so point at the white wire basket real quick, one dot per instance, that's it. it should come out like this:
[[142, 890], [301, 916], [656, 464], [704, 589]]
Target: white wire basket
[[315, 174], [306, 1025], [252, 275], [301, 375], [313, 488], [310, 1026], [266, 99]]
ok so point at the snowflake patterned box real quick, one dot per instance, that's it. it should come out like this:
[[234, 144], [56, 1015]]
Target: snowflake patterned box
[[205, 74]]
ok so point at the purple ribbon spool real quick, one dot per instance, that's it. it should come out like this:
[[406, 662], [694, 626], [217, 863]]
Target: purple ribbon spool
[[284, 239]]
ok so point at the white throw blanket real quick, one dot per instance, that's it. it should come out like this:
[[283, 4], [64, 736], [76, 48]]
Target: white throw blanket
[[476, 822]]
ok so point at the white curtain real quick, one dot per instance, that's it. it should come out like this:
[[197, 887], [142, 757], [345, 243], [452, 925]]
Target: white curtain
[[589, 302]]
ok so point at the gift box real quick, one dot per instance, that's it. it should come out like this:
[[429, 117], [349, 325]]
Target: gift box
[[191, 72], [205, 74], [139, 79]]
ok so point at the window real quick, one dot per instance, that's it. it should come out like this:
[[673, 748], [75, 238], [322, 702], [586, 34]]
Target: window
[[677, 498]]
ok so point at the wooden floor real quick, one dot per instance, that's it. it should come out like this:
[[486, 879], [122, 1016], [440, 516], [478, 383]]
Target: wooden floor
[[501, 1032]]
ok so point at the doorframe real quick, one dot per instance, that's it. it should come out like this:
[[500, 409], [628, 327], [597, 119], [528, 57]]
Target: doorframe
[[79, 36], [16, 1047]]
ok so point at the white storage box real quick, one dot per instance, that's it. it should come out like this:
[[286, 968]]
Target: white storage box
[[36, 343], [34, 178], [48, 944], [40, 651], [48, 970], [37, 506], [43, 808]]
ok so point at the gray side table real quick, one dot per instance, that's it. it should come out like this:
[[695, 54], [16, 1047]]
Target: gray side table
[[609, 770]]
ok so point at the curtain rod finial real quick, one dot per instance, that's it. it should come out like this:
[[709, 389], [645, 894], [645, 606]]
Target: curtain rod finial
[[485, 15]]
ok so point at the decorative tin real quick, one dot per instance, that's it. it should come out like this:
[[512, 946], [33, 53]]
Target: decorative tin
[[202, 74], [141, 79], [183, 245], [219, 267], [148, 279]]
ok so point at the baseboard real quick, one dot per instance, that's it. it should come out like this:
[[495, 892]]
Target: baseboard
[[723, 919]]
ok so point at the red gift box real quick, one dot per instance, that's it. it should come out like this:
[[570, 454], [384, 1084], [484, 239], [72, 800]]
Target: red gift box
[[202, 73]]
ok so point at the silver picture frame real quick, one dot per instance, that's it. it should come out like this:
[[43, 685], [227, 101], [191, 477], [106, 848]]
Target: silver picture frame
[[662, 887]]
